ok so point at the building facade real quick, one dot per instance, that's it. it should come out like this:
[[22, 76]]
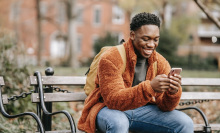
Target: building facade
[[89, 20]]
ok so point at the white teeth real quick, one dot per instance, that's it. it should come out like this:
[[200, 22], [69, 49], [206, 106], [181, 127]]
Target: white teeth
[[148, 51]]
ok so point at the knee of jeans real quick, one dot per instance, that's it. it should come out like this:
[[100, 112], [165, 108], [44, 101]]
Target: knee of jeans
[[120, 125], [186, 125]]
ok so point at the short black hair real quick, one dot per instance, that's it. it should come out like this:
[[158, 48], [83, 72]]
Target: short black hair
[[144, 19]]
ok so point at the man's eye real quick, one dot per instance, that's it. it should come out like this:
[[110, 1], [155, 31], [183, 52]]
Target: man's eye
[[145, 40]]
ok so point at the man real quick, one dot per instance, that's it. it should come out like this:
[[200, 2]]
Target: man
[[140, 99]]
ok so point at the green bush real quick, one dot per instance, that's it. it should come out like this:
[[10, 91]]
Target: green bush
[[168, 45], [168, 48], [108, 40], [15, 74], [195, 62]]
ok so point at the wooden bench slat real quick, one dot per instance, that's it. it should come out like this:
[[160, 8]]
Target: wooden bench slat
[[2, 81], [60, 97], [81, 80], [200, 95], [59, 80], [200, 81], [199, 127], [80, 96]]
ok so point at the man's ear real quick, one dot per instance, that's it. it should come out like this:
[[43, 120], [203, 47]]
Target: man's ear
[[132, 35]]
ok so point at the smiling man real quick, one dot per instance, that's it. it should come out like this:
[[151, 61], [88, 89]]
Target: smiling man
[[143, 98]]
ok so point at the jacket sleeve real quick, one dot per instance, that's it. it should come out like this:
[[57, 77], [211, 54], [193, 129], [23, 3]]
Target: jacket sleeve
[[114, 93], [167, 101]]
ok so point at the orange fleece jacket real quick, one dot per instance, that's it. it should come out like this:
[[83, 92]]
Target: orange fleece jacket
[[115, 90]]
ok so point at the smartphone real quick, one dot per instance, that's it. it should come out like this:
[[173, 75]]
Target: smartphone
[[175, 71]]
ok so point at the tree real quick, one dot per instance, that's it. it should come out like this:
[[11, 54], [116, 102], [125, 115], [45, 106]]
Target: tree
[[168, 45], [206, 10], [71, 34], [107, 40], [39, 37]]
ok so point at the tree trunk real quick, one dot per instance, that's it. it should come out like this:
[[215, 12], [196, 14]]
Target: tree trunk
[[71, 39], [39, 50]]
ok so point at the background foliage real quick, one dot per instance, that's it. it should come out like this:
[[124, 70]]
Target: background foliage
[[15, 73], [107, 40]]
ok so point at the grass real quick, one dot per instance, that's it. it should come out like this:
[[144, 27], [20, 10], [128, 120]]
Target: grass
[[200, 74], [62, 71]]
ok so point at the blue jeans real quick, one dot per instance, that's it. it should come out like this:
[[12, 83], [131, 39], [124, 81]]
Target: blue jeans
[[146, 119]]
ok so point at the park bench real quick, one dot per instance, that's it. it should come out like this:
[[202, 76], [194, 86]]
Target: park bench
[[46, 97]]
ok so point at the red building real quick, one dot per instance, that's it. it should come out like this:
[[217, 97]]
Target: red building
[[90, 20]]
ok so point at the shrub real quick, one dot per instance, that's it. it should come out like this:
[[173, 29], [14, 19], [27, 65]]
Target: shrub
[[108, 40], [168, 45], [15, 74]]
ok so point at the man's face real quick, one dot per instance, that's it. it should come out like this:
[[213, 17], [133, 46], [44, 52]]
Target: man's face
[[145, 39]]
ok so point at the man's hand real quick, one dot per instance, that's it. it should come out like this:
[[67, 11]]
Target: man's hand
[[175, 83], [161, 83]]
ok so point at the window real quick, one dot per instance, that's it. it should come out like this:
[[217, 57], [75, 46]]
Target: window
[[57, 48], [117, 15], [79, 13], [61, 18], [15, 11], [57, 45], [97, 15], [43, 8], [79, 43]]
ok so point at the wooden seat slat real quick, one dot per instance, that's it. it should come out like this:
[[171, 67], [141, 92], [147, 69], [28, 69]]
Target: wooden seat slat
[[80, 96], [200, 95], [81, 80], [201, 81], [200, 127]]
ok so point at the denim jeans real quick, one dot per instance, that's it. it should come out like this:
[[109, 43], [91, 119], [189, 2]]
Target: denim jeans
[[146, 119]]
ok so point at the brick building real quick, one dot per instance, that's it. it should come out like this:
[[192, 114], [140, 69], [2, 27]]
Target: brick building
[[90, 19]]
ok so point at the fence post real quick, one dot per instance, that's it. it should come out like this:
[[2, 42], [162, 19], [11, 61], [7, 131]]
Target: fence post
[[47, 120]]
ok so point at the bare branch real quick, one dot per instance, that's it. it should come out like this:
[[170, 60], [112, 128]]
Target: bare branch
[[52, 21], [207, 12]]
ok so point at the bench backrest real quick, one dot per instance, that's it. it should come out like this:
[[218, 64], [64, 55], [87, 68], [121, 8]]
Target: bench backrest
[[81, 80]]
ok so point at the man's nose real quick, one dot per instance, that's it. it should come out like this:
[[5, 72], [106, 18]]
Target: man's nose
[[151, 44]]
